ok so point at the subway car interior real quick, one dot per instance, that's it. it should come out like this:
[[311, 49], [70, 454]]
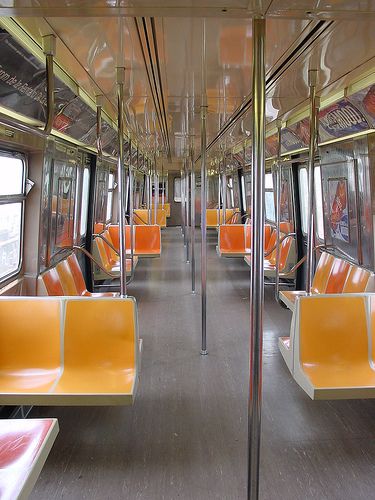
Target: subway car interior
[[187, 249]]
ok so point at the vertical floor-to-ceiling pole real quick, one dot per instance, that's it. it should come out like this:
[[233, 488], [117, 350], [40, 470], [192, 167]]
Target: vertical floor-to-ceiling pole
[[224, 190], [187, 208], [312, 150], [121, 178], [149, 193], [192, 220], [156, 192], [162, 186], [182, 189], [256, 273], [204, 194], [278, 215], [131, 209]]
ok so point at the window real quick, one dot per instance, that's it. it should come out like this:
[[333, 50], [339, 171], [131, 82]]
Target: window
[[243, 193], [111, 184], [177, 190], [303, 197], [84, 202], [269, 198], [319, 203], [12, 188]]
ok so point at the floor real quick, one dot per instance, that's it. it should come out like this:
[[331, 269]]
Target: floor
[[186, 436]]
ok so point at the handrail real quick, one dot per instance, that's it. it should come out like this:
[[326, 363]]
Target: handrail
[[266, 254], [108, 243], [295, 267], [140, 218], [88, 254], [49, 47]]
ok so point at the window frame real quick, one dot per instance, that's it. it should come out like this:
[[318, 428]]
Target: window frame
[[110, 190], [300, 198], [16, 198]]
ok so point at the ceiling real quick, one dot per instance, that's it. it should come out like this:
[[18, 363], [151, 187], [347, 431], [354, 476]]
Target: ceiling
[[162, 56]]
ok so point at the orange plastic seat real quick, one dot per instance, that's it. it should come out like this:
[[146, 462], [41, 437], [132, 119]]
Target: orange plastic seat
[[66, 278], [231, 240], [29, 346], [52, 283], [331, 356], [286, 258], [106, 259], [320, 280], [68, 351], [147, 241], [337, 276], [25, 445], [141, 217], [167, 208], [80, 282], [358, 280]]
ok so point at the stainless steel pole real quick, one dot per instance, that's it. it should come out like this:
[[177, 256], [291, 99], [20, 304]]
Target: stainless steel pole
[[256, 273], [187, 211], [224, 191], [278, 215], [162, 186], [156, 193], [313, 74], [192, 222], [149, 194], [131, 210], [204, 194], [121, 178], [182, 184], [219, 195]]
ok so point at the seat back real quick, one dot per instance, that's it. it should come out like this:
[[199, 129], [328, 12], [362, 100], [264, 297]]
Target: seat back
[[100, 332], [357, 280], [100, 253], [285, 249], [337, 276], [30, 336], [52, 283], [66, 278], [114, 234], [147, 240], [211, 217], [271, 242], [76, 271], [332, 341], [267, 235], [232, 238], [322, 273], [111, 254]]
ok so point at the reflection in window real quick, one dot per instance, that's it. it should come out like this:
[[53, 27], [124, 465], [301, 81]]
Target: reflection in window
[[111, 183], [319, 203], [303, 198], [12, 173], [85, 202], [177, 190]]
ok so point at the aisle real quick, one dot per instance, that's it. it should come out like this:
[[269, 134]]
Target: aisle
[[186, 436]]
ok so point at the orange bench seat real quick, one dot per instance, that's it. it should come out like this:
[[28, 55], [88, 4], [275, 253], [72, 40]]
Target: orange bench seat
[[333, 275], [146, 239], [331, 346], [68, 351], [66, 278]]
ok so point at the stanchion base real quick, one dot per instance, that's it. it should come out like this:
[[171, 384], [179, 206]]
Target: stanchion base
[[204, 352]]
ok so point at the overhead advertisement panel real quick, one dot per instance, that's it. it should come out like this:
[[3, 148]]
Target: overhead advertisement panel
[[341, 119], [22, 79]]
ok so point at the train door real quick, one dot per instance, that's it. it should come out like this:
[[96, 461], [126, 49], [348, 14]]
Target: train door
[[174, 190]]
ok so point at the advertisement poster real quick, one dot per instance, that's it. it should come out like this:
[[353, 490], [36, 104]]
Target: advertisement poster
[[271, 145], [341, 119], [284, 201], [364, 100], [22, 79], [338, 209]]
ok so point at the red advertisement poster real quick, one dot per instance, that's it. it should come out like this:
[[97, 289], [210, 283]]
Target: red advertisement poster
[[338, 209]]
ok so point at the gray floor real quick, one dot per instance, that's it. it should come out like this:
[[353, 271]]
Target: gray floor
[[185, 437]]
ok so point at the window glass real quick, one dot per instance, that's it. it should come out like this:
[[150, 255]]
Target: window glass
[[268, 181], [109, 206], [11, 175], [85, 202], [243, 192], [111, 180], [10, 238], [319, 203], [270, 205], [303, 197], [177, 189]]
